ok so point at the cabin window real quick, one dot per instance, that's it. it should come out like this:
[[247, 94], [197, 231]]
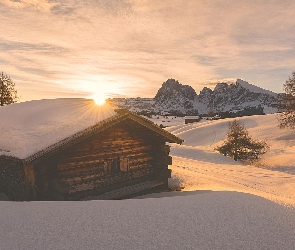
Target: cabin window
[[105, 167], [124, 164], [116, 165]]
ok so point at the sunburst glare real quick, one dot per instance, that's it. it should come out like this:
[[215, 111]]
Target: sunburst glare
[[99, 99]]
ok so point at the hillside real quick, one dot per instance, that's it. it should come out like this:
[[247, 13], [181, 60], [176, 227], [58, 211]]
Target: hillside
[[198, 166], [208, 134]]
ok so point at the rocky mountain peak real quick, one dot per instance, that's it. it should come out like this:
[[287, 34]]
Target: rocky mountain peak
[[221, 87], [206, 90], [176, 96], [173, 89], [205, 93], [171, 84], [234, 96]]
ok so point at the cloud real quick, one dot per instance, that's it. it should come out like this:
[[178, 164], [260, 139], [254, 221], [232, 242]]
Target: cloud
[[44, 48], [133, 46], [213, 82], [40, 5], [102, 7]]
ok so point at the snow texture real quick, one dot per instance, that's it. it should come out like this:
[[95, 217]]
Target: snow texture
[[236, 206], [199, 166], [184, 220], [29, 127]]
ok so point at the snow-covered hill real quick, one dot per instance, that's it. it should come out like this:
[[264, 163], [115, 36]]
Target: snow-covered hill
[[199, 166], [188, 220], [136, 104], [245, 213]]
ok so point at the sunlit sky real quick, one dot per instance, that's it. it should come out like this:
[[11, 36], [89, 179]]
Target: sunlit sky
[[121, 48]]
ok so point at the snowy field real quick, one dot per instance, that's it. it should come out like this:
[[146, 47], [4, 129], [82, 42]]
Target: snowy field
[[187, 220], [224, 204], [199, 167]]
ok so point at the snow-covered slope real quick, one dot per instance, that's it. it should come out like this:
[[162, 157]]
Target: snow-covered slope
[[199, 166], [133, 104], [188, 220], [29, 127], [197, 219], [208, 134]]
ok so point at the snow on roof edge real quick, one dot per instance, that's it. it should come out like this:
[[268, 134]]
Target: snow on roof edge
[[68, 140], [29, 127]]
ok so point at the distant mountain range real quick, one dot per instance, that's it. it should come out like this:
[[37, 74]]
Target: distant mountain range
[[178, 99]]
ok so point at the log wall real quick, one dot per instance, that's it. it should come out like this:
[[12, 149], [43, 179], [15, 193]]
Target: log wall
[[12, 178], [104, 160]]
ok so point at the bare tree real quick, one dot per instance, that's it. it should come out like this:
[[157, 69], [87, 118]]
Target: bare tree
[[286, 114], [239, 145], [8, 93]]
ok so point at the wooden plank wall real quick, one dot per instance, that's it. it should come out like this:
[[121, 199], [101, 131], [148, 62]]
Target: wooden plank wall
[[104, 159], [161, 162], [12, 178]]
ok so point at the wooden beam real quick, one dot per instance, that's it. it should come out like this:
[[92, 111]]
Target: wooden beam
[[169, 160], [167, 147], [29, 181]]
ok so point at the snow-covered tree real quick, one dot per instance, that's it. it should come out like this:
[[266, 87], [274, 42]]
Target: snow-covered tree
[[287, 104], [8, 93], [239, 144]]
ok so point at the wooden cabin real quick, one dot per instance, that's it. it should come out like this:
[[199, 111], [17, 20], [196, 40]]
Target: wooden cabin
[[116, 158], [191, 119]]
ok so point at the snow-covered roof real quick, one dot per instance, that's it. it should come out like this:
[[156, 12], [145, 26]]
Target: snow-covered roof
[[28, 127], [192, 117]]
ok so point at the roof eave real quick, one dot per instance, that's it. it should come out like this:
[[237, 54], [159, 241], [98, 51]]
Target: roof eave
[[101, 126]]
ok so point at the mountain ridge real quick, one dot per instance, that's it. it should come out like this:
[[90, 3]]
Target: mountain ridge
[[175, 98]]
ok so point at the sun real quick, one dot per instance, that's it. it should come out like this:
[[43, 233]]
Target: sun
[[99, 99]]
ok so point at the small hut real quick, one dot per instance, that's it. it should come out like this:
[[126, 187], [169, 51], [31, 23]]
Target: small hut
[[70, 149], [191, 119]]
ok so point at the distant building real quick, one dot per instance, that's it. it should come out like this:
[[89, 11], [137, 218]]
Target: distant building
[[191, 119]]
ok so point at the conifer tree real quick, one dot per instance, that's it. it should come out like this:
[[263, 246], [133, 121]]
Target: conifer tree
[[239, 145], [286, 114], [8, 93]]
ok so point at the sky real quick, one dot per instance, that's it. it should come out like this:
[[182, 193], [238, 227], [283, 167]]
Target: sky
[[128, 48]]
